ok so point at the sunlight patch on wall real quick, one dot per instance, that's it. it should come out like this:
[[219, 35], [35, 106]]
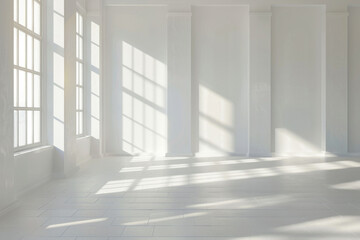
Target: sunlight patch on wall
[[144, 119], [216, 121]]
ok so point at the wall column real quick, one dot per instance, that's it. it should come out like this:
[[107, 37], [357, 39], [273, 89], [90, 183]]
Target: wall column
[[179, 83], [336, 82], [64, 88], [260, 84], [7, 193]]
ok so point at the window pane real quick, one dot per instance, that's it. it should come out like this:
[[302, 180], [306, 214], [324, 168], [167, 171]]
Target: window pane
[[15, 128], [37, 91], [80, 74], [29, 87], [29, 127], [77, 123], [77, 98], [80, 98], [77, 46], [77, 73], [37, 54], [29, 52], [80, 25], [15, 87], [22, 47], [22, 128], [37, 17], [22, 89], [80, 122], [22, 12], [15, 10], [15, 46], [80, 48], [37, 126], [77, 22], [29, 14]]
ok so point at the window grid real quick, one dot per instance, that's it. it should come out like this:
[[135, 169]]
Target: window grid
[[27, 73], [79, 75]]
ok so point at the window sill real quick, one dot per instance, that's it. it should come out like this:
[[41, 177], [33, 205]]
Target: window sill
[[80, 137], [32, 150]]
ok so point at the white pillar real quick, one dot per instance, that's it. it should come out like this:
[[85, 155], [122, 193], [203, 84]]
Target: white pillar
[[260, 84], [337, 82], [70, 88], [179, 83], [7, 193], [62, 53]]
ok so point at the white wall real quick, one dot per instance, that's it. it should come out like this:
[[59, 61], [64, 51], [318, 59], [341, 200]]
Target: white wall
[[354, 80], [220, 78], [286, 93], [297, 40], [33, 168], [135, 80]]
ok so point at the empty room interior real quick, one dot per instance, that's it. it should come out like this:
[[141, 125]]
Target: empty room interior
[[180, 119]]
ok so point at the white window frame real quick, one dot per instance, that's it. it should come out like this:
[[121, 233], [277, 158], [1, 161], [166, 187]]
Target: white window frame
[[38, 36], [80, 105]]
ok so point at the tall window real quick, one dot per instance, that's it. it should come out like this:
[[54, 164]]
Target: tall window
[[79, 75], [27, 73]]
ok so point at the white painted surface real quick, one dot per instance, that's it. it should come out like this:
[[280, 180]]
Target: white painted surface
[[179, 83], [297, 43], [354, 80], [195, 198], [135, 80], [33, 167], [260, 84], [220, 79], [7, 191], [337, 82]]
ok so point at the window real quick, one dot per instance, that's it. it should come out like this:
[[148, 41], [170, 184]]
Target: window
[[79, 75], [27, 73]]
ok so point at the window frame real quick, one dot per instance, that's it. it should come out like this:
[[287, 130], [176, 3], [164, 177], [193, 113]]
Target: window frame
[[17, 27], [80, 12]]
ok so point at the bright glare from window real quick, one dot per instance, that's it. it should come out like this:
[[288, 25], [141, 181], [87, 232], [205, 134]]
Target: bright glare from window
[[27, 73]]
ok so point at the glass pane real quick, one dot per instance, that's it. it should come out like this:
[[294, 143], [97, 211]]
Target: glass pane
[[22, 88], [37, 123], [80, 25], [80, 74], [77, 22], [29, 87], [29, 14], [37, 91], [80, 122], [22, 12], [15, 128], [22, 47], [29, 52], [15, 46], [37, 53], [37, 17], [77, 73], [29, 127], [80, 48], [77, 123], [77, 98], [15, 10], [15, 87], [22, 128], [80, 98], [77, 46]]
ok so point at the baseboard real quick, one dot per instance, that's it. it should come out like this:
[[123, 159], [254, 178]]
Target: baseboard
[[26, 190]]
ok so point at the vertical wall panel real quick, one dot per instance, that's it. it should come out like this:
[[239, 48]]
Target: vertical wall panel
[[297, 60], [220, 77], [354, 80]]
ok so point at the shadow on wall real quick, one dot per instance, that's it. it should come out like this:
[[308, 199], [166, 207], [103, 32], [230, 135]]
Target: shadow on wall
[[144, 89]]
